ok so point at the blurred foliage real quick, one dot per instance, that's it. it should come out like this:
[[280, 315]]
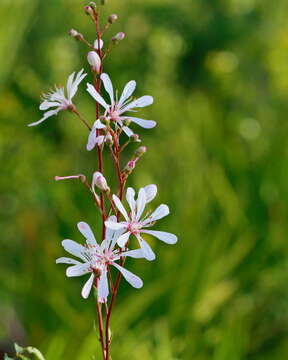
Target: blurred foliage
[[219, 73]]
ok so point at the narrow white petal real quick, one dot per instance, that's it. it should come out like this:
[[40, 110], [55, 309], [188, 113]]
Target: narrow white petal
[[87, 287], [122, 240], [103, 287], [114, 225], [46, 116], [133, 280], [127, 131], [70, 81], [108, 86], [78, 270], [168, 238], [98, 125], [146, 249], [86, 231], [65, 260], [135, 254], [130, 197], [159, 213], [139, 103], [141, 203], [48, 104], [120, 207], [91, 143], [97, 96], [127, 92], [73, 248], [151, 191], [146, 124], [71, 91]]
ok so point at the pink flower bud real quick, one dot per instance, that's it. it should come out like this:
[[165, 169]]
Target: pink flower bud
[[74, 33], [88, 10], [100, 181], [130, 167], [93, 4], [94, 61], [81, 177], [112, 18], [135, 138], [118, 37]]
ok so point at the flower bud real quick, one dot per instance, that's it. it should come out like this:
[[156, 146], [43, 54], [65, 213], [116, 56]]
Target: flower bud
[[93, 4], [104, 120], [88, 10], [75, 34], [118, 37], [94, 61], [109, 139], [140, 151], [130, 167], [135, 138], [112, 18], [98, 44], [100, 181]]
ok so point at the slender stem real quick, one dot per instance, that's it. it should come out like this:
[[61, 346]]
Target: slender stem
[[81, 118], [100, 326]]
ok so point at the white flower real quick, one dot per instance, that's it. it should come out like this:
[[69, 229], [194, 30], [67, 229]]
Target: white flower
[[117, 108], [97, 43], [96, 259], [57, 99], [136, 225]]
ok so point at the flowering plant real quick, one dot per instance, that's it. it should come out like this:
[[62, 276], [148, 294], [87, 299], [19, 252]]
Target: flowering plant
[[112, 120]]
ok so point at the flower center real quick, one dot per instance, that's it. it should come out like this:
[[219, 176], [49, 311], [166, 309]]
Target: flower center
[[114, 115], [134, 227]]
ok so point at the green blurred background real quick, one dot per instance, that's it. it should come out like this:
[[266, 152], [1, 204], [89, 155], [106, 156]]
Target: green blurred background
[[219, 73]]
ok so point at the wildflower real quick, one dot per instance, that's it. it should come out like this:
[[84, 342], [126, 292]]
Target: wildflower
[[56, 99], [135, 225], [117, 107], [96, 259]]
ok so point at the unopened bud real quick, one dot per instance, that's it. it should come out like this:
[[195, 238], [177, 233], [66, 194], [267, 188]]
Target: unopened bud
[[140, 151], [118, 37], [98, 44], [130, 166], [109, 139], [93, 4], [112, 18], [88, 10], [75, 34], [94, 61], [135, 138], [100, 181]]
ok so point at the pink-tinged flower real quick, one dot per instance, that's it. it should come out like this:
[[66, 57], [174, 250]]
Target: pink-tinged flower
[[95, 259], [58, 100], [94, 140], [100, 181], [115, 111], [135, 224]]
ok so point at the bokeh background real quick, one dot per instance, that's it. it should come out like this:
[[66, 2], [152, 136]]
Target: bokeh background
[[219, 73]]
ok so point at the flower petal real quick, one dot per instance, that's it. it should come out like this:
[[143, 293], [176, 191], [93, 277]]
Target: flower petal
[[98, 125], [159, 213], [151, 191], [72, 89], [108, 87], [97, 96], [127, 92], [146, 124], [135, 254], [87, 287], [141, 203], [65, 260], [98, 42], [86, 231], [122, 240], [103, 287], [132, 279], [47, 104], [130, 197], [168, 238], [78, 270], [114, 225], [139, 103], [146, 249], [127, 131], [120, 207], [46, 116], [73, 248]]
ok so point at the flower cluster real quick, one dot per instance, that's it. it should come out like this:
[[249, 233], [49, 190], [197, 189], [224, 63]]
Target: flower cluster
[[120, 223]]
